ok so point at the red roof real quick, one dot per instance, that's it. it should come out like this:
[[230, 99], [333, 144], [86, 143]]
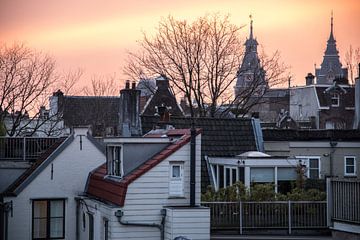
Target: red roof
[[110, 190]]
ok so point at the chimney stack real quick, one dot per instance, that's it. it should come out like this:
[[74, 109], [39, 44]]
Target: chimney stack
[[309, 79], [129, 123]]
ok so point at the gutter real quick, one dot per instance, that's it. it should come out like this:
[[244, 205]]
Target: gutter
[[119, 214]]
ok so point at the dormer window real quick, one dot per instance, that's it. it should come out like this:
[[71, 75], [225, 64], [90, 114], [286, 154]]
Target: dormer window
[[114, 161], [335, 99]]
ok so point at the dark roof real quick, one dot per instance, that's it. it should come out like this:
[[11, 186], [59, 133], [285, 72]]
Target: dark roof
[[114, 191], [310, 135], [38, 165], [99, 112], [348, 98], [162, 97], [220, 137]]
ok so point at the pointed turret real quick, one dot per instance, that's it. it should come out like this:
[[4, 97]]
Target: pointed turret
[[331, 67], [250, 70]]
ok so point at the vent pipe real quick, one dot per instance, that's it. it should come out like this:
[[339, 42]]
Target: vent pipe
[[192, 165]]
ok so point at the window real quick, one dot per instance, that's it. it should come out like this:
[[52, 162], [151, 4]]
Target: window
[[48, 219], [300, 110], [176, 183], [314, 168], [350, 166], [335, 99], [106, 229], [114, 158], [224, 176]]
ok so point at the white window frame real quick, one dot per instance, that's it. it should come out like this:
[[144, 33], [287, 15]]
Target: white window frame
[[345, 165], [335, 96], [110, 160], [216, 174], [180, 179], [307, 164]]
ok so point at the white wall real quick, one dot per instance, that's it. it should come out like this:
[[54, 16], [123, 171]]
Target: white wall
[[306, 97], [70, 172], [147, 195], [192, 223]]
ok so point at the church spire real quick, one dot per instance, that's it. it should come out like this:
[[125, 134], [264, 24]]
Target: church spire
[[331, 38], [331, 67], [251, 27]]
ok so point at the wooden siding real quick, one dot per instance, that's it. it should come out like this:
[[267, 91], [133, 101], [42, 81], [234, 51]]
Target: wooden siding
[[149, 193], [192, 223]]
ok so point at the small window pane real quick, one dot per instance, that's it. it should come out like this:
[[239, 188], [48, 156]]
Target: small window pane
[[221, 176], [227, 177], [56, 208], [314, 163], [349, 161], [350, 169], [176, 171], [40, 209], [233, 175], [314, 173], [39, 228], [56, 227]]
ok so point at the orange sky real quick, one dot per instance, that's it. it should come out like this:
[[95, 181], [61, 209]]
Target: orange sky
[[95, 35]]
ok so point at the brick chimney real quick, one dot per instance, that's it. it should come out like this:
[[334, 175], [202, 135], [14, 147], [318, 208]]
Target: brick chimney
[[309, 79], [129, 124]]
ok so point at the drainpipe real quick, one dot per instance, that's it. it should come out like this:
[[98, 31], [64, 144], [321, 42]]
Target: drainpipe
[[332, 145], [77, 234], [119, 214], [192, 166]]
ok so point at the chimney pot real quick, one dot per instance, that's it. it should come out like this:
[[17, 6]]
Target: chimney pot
[[127, 84], [133, 85]]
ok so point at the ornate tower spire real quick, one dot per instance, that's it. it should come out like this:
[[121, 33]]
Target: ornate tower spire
[[331, 67], [250, 71], [251, 27]]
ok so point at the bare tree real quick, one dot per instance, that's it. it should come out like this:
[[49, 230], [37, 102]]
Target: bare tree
[[67, 81], [103, 86], [201, 59], [25, 78], [352, 59]]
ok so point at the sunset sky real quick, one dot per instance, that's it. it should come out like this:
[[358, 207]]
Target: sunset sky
[[95, 35]]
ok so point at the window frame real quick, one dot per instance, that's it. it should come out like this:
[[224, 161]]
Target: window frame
[[48, 217], [307, 163], [335, 96], [346, 174], [179, 164], [110, 158]]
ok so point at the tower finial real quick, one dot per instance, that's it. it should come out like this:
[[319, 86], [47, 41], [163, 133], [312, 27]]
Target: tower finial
[[332, 20], [251, 26]]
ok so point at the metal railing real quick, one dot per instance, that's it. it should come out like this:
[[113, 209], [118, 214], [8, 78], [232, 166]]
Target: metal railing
[[345, 200], [23, 148], [267, 215]]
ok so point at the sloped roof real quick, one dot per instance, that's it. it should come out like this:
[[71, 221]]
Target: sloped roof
[[220, 137], [114, 191], [324, 96], [99, 112], [16, 187]]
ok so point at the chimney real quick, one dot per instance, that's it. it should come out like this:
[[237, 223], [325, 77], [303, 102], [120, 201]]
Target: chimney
[[56, 103], [309, 79], [127, 84], [129, 124], [357, 102], [162, 82]]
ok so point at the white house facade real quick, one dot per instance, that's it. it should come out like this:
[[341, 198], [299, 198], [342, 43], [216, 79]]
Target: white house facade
[[42, 201]]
